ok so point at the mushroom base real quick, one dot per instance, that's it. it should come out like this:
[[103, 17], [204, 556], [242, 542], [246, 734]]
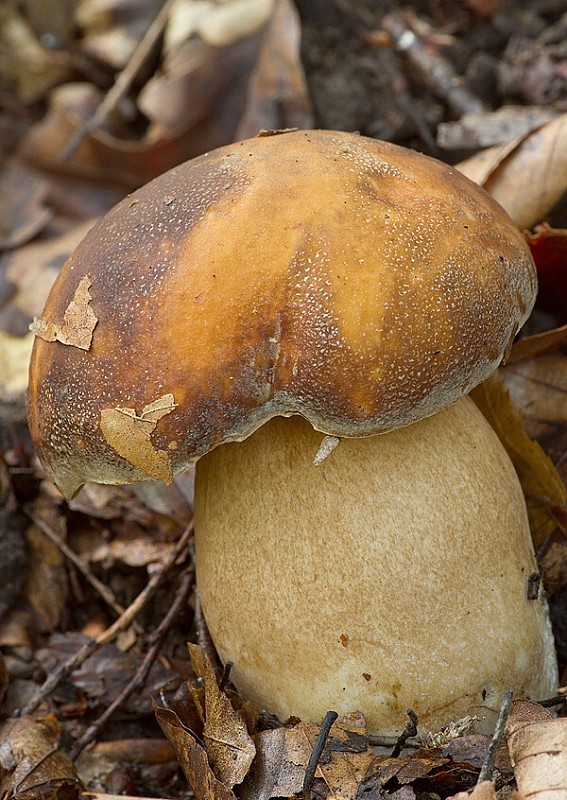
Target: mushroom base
[[393, 575]]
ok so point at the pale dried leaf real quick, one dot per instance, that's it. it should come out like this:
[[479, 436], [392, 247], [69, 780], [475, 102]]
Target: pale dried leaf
[[129, 434], [538, 751], [15, 354], [229, 747], [79, 320], [218, 24], [527, 176]]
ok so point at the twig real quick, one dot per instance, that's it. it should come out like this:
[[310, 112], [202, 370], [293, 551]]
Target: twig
[[558, 700], [436, 72], [75, 661], [142, 672], [123, 81], [106, 593], [408, 732], [225, 677], [487, 768], [330, 718]]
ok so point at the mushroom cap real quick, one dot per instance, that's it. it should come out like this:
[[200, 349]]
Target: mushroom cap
[[356, 283]]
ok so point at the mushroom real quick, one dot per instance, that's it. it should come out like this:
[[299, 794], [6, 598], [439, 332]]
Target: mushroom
[[266, 296]]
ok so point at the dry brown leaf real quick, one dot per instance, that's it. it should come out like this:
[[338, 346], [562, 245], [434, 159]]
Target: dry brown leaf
[[537, 345], [192, 758], [79, 320], [538, 751], [23, 213], [46, 584], [538, 388], [278, 96], [229, 747], [31, 765], [129, 434], [543, 488], [527, 176], [279, 767], [283, 755]]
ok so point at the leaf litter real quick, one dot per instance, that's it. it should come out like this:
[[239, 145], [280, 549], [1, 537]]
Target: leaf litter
[[126, 536]]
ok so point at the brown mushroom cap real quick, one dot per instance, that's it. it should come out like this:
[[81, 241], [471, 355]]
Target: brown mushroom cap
[[359, 284]]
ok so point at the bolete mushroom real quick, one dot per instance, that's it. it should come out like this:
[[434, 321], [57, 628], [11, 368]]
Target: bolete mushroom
[[273, 293]]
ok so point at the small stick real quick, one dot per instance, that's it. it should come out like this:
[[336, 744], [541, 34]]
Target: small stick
[[106, 593], [330, 718], [436, 72], [123, 81], [558, 700], [225, 677], [487, 768], [75, 661], [408, 732], [143, 670]]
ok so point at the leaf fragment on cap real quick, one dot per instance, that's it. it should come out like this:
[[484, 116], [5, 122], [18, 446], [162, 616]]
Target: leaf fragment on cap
[[129, 434], [78, 324]]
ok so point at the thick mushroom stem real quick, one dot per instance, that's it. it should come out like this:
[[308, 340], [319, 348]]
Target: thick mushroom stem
[[392, 576]]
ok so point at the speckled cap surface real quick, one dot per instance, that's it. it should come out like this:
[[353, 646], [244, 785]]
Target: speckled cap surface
[[356, 283]]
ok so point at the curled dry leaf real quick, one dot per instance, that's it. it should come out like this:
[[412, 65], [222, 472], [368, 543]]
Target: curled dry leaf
[[31, 765], [192, 758], [15, 354], [528, 175], [543, 488], [229, 747], [537, 744], [79, 320], [129, 434]]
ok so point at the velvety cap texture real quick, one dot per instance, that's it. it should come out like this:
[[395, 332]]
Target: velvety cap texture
[[354, 282]]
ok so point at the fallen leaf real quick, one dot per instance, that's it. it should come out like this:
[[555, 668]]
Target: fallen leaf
[[543, 488], [129, 434], [15, 354], [31, 765], [192, 758], [537, 744], [79, 320], [229, 747], [23, 212], [278, 96], [279, 767], [220, 24], [528, 175], [46, 586]]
